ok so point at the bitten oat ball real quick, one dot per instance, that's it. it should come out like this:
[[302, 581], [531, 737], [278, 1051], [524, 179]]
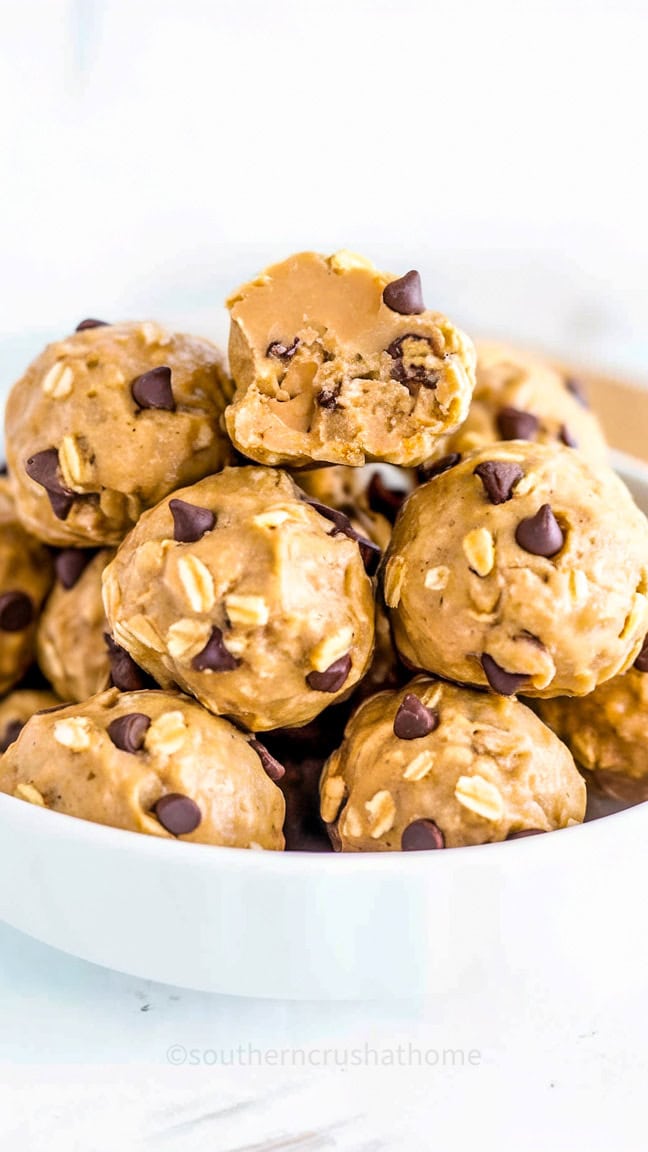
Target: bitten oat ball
[[336, 361], [518, 397], [522, 569], [151, 762], [607, 731], [107, 422], [71, 644], [248, 597], [437, 766], [25, 579], [17, 708]]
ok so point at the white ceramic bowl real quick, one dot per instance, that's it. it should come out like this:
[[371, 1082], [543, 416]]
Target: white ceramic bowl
[[307, 926]]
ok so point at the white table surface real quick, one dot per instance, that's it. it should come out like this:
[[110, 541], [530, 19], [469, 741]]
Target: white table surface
[[85, 1066]]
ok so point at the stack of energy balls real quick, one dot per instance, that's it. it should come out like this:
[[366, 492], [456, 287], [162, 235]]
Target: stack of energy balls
[[249, 635]]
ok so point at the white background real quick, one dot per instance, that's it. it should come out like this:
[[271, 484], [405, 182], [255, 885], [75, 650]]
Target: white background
[[154, 154]]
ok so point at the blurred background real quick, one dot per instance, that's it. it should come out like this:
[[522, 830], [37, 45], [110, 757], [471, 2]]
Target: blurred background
[[155, 154]]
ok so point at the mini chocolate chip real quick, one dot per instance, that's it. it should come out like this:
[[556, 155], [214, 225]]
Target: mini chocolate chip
[[214, 656], [414, 375], [641, 663], [70, 564], [422, 836], [127, 732], [16, 612], [577, 389], [43, 468], [4, 471], [438, 467], [499, 478], [125, 674], [90, 323], [386, 501], [272, 767], [333, 678], [541, 535], [328, 397], [413, 719], [369, 551], [567, 438], [505, 683], [153, 389], [11, 733], [405, 295], [525, 832], [189, 521], [279, 351], [178, 814], [513, 424]]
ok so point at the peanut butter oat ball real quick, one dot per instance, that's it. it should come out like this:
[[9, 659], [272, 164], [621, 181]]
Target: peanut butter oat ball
[[437, 766], [151, 762], [107, 422], [246, 596], [71, 641], [521, 397], [338, 362], [17, 708], [607, 731], [25, 579], [520, 569]]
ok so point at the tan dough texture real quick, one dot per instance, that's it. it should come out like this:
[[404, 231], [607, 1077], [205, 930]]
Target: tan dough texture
[[67, 761], [16, 709], [25, 569], [490, 768], [512, 384], [606, 731], [114, 458], [464, 592], [71, 648], [272, 586], [347, 392]]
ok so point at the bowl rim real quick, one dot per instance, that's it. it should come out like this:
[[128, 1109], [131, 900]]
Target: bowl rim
[[214, 855]]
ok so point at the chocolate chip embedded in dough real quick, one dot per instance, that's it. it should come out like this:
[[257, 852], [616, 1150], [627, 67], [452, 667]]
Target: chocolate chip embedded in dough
[[422, 836], [369, 551], [12, 732], [190, 523], [566, 437], [405, 295], [413, 720], [541, 534], [70, 565], [438, 467], [502, 682], [153, 389], [383, 499], [16, 611], [278, 351], [333, 678], [43, 468], [641, 663], [125, 674], [513, 424], [577, 390], [178, 814], [91, 323], [128, 732], [271, 767], [215, 657], [499, 478]]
